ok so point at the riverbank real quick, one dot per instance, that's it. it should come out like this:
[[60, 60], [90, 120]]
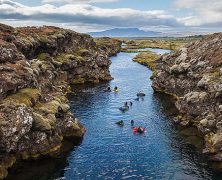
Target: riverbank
[[193, 74], [37, 67]]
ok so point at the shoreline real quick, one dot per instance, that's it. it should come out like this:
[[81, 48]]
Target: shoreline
[[180, 74], [38, 65]]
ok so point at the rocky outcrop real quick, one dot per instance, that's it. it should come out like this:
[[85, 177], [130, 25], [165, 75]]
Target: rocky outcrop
[[193, 75], [37, 65], [111, 46]]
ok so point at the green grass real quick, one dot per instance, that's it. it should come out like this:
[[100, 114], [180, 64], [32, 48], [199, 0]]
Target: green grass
[[148, 59]]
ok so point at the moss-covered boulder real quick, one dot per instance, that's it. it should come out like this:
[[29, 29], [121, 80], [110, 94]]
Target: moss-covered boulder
[[42, 124]]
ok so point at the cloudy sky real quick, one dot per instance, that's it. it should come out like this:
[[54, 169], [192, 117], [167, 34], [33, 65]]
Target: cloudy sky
[[98, 15]]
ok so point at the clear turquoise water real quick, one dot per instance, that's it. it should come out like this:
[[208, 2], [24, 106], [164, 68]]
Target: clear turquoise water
[[111, 152]]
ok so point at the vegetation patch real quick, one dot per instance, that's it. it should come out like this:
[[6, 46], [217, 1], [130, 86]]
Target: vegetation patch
[[105, 42], [64, 58], [161, 43], [78, 80], [78, 56], [27, 96], [148, 59], [82, 52], [42, 56]]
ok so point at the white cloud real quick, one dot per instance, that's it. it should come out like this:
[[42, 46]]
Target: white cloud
[[206, 12], [78, 1], [86, 15]]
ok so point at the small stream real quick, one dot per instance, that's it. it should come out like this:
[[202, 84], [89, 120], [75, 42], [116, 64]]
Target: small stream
[[112, 152]]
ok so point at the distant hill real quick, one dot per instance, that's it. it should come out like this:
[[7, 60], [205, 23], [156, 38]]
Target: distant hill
[[125, 32]]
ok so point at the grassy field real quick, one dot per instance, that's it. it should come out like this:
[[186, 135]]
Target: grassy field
[[162, 43], [149, 58]]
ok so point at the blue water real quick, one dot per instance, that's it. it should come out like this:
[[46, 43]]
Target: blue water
[[158, 51], [112, 152]]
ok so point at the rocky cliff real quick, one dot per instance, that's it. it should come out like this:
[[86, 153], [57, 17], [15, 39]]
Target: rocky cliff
[[193, 75], [37, 65]]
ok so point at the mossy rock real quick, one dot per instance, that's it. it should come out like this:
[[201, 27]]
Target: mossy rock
[[64, 58], [51, 107], [78, 81], [26, 41], [67, 58], [192, 131], [79, 59], [42, 56], [76, 131], [44, 39], [3, 122], [6, 163], [27, 96], [61, 99], [3, 172], [41, 123], [195, 141], [30, 155], [82, 52]]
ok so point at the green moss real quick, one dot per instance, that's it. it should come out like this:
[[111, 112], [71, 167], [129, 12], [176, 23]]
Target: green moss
[[78, 80], [41, 123], [82, 52], [171, 44], [27, 96], [86, 35], [26, 41], [154, 74], [215, 73], [62, 99], [44, 39], [64, 58], [60, 34], [148, 59], [28, 155], [42, 56], [79, 59], [106, 43], [6, 163], [52, 106]]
